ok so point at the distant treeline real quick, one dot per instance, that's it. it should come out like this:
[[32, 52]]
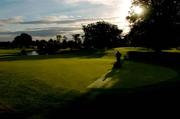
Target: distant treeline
[[98, 35], [101, 35]]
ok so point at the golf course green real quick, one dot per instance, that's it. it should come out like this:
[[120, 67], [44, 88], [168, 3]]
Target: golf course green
[[31, 83]]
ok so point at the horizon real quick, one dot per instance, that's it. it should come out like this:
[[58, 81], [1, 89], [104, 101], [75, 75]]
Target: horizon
[[48, 18]]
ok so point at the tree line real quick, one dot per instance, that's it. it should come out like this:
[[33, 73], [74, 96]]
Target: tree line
[[158, 28], [97, 35]]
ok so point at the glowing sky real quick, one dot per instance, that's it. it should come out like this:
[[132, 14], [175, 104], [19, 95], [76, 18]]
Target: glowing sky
[[43, 19]]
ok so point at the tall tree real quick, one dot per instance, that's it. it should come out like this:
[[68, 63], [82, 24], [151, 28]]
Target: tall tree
[[59, 38], [156, 28], [64, 42], [101, 35], [77, 40], [24, 40]]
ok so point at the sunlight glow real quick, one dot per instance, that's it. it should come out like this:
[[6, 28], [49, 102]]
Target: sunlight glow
[[121, 13], [138, 10]]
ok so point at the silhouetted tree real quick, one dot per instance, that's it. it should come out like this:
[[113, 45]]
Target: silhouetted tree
[[59, 38], [50, 47], [101, 35], [71, 44], [65, 38], [24, 40], [155, 29], [64, 44], [6, 45], [77, 40], [42, 46]]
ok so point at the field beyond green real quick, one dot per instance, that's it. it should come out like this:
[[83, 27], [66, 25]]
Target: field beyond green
[[29, 83]]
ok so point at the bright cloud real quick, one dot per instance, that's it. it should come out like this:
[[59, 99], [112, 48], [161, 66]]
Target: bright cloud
[[14, 20], [104, 2], [56, 18]]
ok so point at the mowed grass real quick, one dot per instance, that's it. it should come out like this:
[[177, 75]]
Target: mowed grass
[[9, 51], [34, 84], [133, 75], [67, 73]]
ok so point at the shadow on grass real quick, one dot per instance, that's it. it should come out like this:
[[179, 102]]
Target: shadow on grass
[[167, 59], [162, 58], [63, 54], [25, 98], [151, 99]]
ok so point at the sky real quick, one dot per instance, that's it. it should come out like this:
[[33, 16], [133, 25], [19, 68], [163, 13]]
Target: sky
[[44, 19]]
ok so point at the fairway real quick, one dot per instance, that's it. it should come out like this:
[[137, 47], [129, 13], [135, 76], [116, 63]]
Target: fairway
[[88, 58], [8, 51], [64, 73], [34, 84], [29, 85]]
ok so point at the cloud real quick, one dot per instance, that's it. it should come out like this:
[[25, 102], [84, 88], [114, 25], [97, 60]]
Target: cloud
[[102, 2], [70, 20], [14, 20], [44, 32], [47, 28], [57, 18]]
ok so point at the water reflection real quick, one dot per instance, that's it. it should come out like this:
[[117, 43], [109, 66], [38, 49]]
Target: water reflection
[[32, 53]]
